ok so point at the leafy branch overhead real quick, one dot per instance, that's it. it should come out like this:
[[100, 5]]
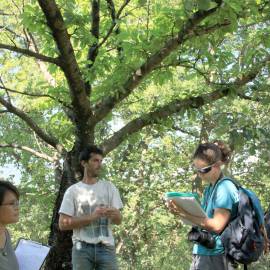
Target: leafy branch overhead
[[99, 78], [178, 106]]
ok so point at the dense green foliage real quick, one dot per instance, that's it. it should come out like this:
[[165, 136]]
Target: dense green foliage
[[226, 53]]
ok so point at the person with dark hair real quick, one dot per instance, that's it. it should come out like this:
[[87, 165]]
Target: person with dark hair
[[220, 202], [9, 213], [89, 207]]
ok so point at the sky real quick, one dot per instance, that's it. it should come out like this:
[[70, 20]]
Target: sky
[[10, 170]]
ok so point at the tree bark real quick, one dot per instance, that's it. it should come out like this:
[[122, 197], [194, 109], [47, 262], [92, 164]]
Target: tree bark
[[60, 241]]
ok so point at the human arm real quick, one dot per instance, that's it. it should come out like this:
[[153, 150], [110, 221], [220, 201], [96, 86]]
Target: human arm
[[216, 224], [69, 218], [67, 222], [221, 205], [113, 211], [114, 215]]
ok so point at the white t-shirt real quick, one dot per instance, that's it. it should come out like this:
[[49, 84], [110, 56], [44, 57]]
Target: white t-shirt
[[81, 199]]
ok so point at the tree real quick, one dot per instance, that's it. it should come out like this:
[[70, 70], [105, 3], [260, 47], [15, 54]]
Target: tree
[[69, 69]]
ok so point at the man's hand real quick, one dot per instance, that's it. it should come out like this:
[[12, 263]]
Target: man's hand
[[111, 212], [100, 211], [114, 215]]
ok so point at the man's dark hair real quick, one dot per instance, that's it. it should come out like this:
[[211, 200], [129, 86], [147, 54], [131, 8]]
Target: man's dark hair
[[88, 150], [7, 186]]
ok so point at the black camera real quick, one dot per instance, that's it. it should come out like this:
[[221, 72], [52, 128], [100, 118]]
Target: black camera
[[202, 237]]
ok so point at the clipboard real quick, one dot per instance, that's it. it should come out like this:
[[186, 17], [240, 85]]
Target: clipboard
[[30, 255], [189, 202]]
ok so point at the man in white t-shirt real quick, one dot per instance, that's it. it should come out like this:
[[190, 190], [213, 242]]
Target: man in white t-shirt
[[89, 207]]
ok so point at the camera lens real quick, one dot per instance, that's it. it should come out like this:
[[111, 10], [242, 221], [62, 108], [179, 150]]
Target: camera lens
[[202, 237], [207, 240]]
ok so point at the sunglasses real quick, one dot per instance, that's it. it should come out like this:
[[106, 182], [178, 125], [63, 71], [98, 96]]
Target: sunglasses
[[204, 169]]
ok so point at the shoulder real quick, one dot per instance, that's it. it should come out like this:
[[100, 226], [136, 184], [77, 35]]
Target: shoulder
[[110, 187], [227, 185], [73, 188], [227, 190], [107, 183]]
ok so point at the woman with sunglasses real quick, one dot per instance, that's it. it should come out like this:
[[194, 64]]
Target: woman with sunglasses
[[220, 209], [9, 213]]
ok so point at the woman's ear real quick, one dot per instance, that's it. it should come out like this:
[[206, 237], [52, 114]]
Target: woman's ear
[[219, 163]]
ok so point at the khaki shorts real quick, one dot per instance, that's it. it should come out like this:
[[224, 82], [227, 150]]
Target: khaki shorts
[[215, 262]]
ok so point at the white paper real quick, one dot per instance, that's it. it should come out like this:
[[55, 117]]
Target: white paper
[[189, 204], [30, 255]]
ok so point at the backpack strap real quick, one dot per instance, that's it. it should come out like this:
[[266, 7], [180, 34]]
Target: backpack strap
[[211, 196], [238, 186]]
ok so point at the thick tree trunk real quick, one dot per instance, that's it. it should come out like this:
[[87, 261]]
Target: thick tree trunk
[[60, 242]]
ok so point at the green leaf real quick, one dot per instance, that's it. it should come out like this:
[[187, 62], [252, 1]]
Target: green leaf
[[204, 4], [142, 2]]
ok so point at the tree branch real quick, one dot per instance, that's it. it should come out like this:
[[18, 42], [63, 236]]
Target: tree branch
[[7, 93], [242, 96], [160, 114], [44, 69], [179, 63], [193, 134], [202, 30], [43, 135], [111, 7], [31, 54], [180, 106], [93, 50], [81, 105], [9, 30], [117, 16], [102, 109], [2, 13], [29, 150], [36, 95]]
